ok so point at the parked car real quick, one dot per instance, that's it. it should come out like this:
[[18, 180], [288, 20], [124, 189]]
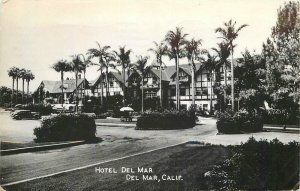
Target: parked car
[[25, 114]]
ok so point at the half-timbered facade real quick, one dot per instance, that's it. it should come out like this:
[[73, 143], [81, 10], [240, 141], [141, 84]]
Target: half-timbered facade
[[113, 87], [52, 89]]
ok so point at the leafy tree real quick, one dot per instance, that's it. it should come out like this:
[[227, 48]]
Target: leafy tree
[[250, 86], [5, 96], [281, 53]]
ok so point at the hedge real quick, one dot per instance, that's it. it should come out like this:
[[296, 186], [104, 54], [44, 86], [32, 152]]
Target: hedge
[[257, 165], [66, 127], [241, 121], [166, 120]]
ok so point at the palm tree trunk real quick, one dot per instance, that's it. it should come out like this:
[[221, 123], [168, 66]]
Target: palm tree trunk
[[123, 85], [142, 93], [17, 79], [101, 79], [232, 80], [62, 88], [107, 84], [160, 84], [193, 84], [76, 90], [22, 90], [211, 76], [177, 82], [27, 92], [225, 84], [84, 84], [12, 93]]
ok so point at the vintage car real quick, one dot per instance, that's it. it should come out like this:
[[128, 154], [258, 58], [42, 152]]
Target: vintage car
[[25, 114]]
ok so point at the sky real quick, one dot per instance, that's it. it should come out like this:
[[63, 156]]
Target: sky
[[34, 34]]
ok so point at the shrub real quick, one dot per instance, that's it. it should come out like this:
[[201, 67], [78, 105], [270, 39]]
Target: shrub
[[66, 127], [257, 165], [230, 123], [279, 117], [166, 120]]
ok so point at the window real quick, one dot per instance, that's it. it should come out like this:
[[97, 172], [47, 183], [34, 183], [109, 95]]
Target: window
[[198, 92], [116, 93], [182, 92], [205, 91], [208, 77], [173, 92], [111, 84], [154, 81], [150, 94]]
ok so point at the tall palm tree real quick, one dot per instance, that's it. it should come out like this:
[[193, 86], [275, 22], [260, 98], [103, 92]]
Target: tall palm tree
[[229, 33], [61, 66], [141, 66], [192, 52], [12, 72], [85, 64], [160, 50], [109, 58], [29, 76], [123, 60], [176, 40], [23, 73], [77, 66], [101, 53], [210, 64], [223, 52], [18, 76]]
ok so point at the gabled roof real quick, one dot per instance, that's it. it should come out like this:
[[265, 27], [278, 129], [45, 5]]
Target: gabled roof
[[117, 75], [171, 70], [157, 73], [55, 86]]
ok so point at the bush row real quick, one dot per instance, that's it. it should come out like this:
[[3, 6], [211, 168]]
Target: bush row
[[66, 127], [280, 117], [241, 121], [166, 120], [257, 165]]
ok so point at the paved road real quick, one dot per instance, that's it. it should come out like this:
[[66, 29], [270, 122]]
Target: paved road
[[118, 142], [16, 130]]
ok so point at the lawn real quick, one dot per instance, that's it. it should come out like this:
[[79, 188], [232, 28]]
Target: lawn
[[188, 161]]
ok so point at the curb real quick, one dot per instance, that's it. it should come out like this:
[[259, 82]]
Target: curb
[[39, 148], [280, 129], [115, 125]]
